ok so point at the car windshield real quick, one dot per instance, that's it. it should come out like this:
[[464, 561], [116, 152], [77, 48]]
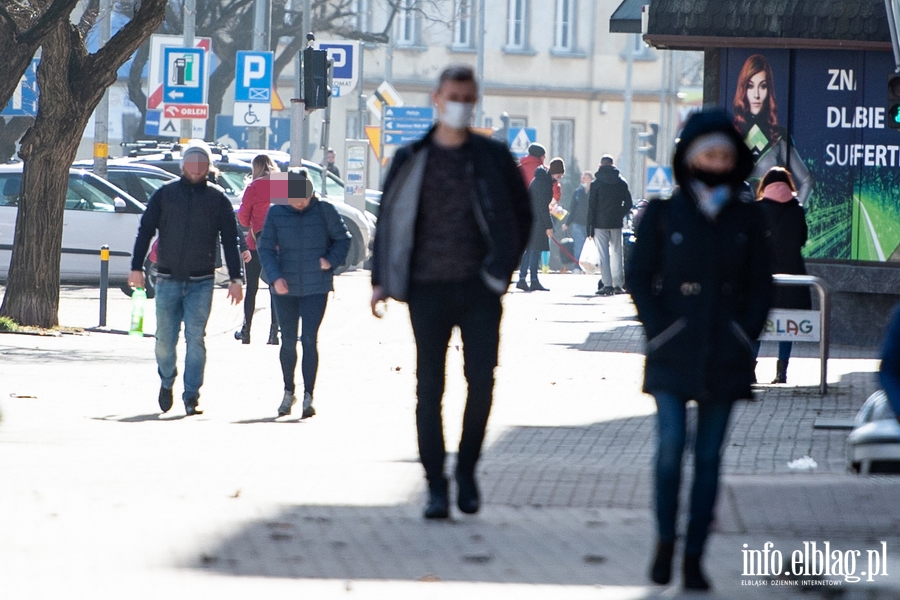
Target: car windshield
[[232, 182]]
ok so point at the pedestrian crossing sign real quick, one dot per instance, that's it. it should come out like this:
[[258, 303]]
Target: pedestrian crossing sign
[[519, 140], [659, 180]]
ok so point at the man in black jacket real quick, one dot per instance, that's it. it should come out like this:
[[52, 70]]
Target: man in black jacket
[[190, 215], [610, 201], [453, 223]]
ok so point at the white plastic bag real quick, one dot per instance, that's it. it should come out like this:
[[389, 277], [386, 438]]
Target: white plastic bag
[[589, 261]]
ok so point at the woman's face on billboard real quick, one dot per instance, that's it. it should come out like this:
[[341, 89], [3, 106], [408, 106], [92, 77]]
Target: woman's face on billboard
[[757, 92]]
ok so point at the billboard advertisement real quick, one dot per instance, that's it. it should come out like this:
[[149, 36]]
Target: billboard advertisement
[[821, 114]]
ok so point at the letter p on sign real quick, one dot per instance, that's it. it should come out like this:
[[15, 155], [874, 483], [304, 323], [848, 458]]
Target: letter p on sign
[[254, 68]]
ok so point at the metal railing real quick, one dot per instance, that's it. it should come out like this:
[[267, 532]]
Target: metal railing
[[824, 317]]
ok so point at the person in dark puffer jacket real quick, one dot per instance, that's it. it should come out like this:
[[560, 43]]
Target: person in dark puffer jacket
[[190, 214], [302, 240]]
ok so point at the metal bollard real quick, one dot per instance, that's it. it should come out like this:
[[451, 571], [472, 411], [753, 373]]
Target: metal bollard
[[824, 318], [104, 282]]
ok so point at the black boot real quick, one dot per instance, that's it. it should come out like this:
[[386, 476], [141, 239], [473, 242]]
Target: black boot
[[781, 372], [243, 334], [661, 570], [273, 335], [694, 579], [438, 506]]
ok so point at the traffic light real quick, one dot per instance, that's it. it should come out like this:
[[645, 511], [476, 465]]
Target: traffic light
[[315, 78], [893, 107], [648, 141]]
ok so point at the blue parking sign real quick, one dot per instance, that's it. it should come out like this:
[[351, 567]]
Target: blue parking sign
[[253, 77]]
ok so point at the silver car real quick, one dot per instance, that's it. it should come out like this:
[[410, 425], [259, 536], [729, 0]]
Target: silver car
[[97, 213]]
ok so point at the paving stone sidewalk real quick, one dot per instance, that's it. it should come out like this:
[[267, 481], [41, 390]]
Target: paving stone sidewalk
[[105, 498]]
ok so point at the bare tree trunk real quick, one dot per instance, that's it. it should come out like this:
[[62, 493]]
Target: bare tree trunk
[[136, 83], [72, 83]]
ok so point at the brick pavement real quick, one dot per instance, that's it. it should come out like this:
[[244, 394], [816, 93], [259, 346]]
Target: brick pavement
[[117, 502]]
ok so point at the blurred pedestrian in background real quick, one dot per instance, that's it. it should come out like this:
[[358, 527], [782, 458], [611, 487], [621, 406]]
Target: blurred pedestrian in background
[[786, 233], [252, 214], [577, 219], [701, 281], [541, 194], [608, 204]]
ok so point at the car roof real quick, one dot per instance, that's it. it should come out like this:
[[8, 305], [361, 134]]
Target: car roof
[[119, 165]]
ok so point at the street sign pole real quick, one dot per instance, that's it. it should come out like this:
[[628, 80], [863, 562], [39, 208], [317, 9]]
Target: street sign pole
[[190, 16], [384, 105], [326, 125], [101, 116], [261, 24]]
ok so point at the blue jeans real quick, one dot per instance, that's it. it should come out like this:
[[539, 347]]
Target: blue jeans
[[712, 422], [784, 350], [531, 261], [188, 302], [291, 311]]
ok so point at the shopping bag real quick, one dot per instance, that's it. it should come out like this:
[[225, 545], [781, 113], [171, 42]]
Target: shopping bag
[[589, 261]]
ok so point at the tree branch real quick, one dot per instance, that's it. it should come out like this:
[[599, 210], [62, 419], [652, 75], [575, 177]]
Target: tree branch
[[99, 69], [58, 10]]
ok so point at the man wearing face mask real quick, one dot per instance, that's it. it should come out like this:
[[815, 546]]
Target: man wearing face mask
[[453, 223], [701, 281]]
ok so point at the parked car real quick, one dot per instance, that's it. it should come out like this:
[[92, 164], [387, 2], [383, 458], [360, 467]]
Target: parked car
[[874, 444], [97, 213], [140, 181]]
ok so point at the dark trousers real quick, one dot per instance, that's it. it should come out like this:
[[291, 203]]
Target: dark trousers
[[435, 309], [254, 270], [292, 310], [712, 423]]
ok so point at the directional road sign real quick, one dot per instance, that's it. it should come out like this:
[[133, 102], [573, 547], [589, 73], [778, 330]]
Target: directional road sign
[[409, 112], [253, 77], [238, 137], [519, 140], [404, 124], [184, 75], [659, 180], [390, 95], [25, 97], [400, 138], [345, 70]]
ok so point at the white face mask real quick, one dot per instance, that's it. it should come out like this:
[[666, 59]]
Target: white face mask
[[457, 115]]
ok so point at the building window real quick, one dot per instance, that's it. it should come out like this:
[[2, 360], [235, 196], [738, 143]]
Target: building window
[[406, 23], [463, 24], [518, 122], [562, 139], [363, 9], [516, 27], [639, 49], [564, 26]]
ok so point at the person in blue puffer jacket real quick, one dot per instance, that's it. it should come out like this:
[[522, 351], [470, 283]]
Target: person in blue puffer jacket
[[302, 240]]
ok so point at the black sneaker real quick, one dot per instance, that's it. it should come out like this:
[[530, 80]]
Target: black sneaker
[[190, 406], [522, 285], [438, 506], [467, 494], [165, 399], [537, 287], [606, 290]]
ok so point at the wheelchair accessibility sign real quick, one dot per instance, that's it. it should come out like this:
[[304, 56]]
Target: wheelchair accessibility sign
[[252, 114]]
